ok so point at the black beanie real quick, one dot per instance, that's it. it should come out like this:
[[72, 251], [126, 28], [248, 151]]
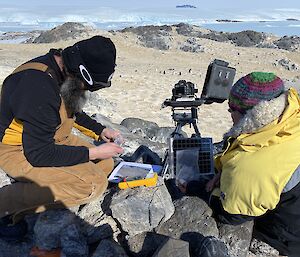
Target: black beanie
[[92, 60]]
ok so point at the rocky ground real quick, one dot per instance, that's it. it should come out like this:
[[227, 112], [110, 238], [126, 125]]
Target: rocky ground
[[150, 60]]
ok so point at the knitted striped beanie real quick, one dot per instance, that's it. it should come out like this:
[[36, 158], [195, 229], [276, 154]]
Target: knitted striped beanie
[[253, 88]]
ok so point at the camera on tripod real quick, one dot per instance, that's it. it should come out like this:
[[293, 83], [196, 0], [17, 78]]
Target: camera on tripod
[[189, 158], [183, 89]]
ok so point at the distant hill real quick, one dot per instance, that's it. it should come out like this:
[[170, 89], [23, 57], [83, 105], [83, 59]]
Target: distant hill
[[185, 6]]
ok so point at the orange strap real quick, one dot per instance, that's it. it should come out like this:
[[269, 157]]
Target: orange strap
[[31, 66]]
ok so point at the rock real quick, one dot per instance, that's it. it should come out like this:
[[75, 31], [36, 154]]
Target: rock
[[237, 238], [136, 132], [261, 249], [191, 45], [190, 30], [184, 29], [97, 104], [173, 248], [109, 248], [267, 45], [49, 226], [158, 42], [73, 243], [143, 208], [191, 221], [96, 222], [157, 37], [287, 64], [145, 244], [4, 179], [163, 133], [108, 123], [132, 142], [69, 30], [141, 127], [16, 248], [151, 29], [216, 36], [247, 38], [19, 37], [291, 43]]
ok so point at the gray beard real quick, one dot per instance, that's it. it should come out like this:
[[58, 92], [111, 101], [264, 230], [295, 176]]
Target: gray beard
[[73, 96]]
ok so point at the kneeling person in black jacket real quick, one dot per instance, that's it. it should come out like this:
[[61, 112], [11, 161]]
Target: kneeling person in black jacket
[[41, 101]]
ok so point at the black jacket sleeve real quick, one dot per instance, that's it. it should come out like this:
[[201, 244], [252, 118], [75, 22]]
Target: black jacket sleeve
[[223, 216], [87, 122], [36, 103]]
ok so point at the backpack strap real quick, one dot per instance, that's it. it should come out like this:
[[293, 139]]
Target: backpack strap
[[32, 66]]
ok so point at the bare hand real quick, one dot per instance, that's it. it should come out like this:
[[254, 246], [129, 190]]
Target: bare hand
[[105, 151], [108, 134], [182, 187], [215, 181]]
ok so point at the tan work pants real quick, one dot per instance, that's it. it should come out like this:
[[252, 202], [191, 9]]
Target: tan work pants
[[40, 188]]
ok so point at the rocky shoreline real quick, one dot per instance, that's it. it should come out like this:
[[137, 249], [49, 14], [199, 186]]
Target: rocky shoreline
[[160, 37]]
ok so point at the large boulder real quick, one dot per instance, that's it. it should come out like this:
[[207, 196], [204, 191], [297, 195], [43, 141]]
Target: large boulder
[[237, 238], [188, 30], [191, 222], [216, 36], [184, 29], [191, 45], [142, 209], [173, 248], [287, 64], [73, 242], [109, 248], [96, 222], [191, 215], [291, 43], [16, 248], [49, 226], [261, 249], [158, 37], [145, 244], [140, 127], [247, 38], [66, 31]]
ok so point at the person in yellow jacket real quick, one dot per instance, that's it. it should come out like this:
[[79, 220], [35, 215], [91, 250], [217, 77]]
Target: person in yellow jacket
[[258, 171]]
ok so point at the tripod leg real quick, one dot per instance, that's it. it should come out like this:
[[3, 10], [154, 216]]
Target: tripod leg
[[196, 129]]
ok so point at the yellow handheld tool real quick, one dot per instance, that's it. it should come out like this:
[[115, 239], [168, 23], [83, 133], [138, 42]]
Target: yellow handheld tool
[[149, 181]]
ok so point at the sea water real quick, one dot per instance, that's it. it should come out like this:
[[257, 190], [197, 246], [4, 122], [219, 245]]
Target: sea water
[[279, 28]]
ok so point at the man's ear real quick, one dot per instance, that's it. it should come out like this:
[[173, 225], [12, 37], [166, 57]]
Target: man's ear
[[59, 61]]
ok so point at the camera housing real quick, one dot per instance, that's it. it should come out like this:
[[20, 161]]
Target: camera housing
[[218, 82]]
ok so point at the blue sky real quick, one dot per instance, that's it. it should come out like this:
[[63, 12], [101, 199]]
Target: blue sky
[[28, 11], [216, 4]]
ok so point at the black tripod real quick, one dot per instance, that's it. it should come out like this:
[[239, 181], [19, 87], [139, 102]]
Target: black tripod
[[181, 119]]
